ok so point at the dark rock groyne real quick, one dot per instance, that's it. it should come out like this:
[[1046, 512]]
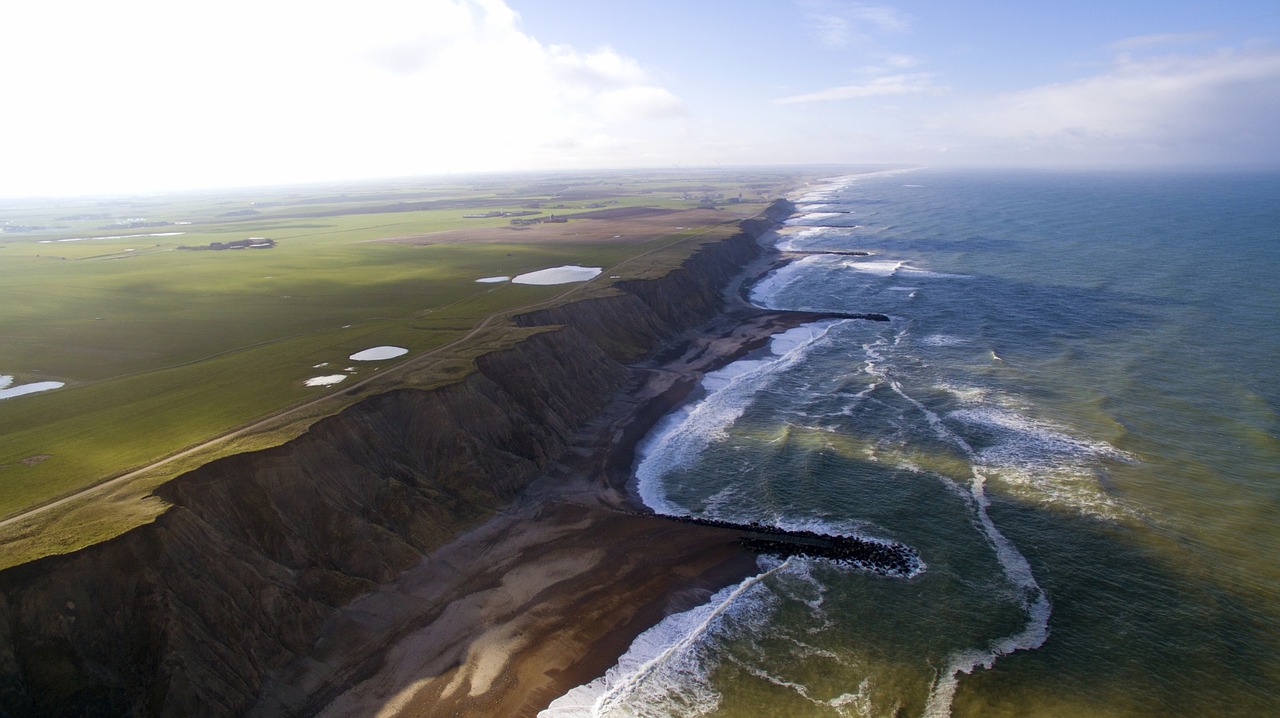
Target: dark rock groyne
[[884, 557], [186, 615]]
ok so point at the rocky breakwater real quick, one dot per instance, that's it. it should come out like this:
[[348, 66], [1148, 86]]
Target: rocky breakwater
[[186, 615], [887, 558]]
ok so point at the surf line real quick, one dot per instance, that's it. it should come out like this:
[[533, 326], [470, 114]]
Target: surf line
[[1035, 602], [614, 696]]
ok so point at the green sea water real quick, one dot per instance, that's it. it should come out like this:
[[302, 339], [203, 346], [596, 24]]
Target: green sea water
[[1072, 416]]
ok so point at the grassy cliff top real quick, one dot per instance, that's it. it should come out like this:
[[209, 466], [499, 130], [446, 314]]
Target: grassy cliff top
[[177, 343]]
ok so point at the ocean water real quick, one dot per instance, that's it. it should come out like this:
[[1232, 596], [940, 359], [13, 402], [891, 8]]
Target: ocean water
[[1072, 416]]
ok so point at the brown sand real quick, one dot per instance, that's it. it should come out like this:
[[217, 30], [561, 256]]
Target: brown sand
[[545, 596]]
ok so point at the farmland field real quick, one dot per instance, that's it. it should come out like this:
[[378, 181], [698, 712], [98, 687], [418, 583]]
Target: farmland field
[[164, 343]]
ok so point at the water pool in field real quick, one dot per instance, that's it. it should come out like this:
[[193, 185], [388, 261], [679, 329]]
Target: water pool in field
[[379, 353], [566, 274], [22, 389]]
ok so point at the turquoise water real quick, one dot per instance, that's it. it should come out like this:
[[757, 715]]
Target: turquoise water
[[1072, 416]]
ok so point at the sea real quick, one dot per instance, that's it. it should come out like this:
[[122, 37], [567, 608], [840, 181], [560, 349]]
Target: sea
[[1072, 415]]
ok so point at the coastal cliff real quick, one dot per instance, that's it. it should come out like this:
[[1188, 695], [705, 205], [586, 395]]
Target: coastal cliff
[[187, 615]]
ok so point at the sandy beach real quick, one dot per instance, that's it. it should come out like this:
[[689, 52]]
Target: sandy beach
[[549, 593]]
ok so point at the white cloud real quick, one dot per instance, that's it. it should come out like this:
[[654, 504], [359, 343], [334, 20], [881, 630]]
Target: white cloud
[[148, 94], [640, 101], [901, 61], [1176, 109], [838, 24], [1142, 42], [904, 84]]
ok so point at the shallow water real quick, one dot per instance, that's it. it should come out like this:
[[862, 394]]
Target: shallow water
[[1072, 416]]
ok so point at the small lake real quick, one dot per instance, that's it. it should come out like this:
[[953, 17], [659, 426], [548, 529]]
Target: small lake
[[21, 389], [567, 274], [379, 353]]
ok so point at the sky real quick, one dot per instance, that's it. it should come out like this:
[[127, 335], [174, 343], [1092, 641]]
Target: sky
[[156, 95]]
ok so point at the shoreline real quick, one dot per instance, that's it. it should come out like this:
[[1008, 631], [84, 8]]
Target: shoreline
[[548, 594]]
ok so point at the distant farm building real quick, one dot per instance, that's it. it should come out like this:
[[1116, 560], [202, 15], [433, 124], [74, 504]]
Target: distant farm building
[[549, 219], [248, 243]]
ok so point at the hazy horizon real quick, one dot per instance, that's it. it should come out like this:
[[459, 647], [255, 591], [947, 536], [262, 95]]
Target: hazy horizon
[[142, 96]]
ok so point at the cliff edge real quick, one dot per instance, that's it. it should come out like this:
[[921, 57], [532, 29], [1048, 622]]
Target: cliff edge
[[188, 614]]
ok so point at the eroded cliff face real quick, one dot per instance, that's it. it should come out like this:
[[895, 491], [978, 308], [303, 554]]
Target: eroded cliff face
[[186, 615]]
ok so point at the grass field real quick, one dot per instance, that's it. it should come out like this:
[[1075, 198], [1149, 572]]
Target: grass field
[[163, 348]]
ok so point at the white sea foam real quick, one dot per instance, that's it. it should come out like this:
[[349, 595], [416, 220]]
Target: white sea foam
[[378, 354], [879, 267], [792, 239], [765, 292], [834, 185], [771, 285], [1030, 440], [966, 394], [805, 219], [493, 280], [1017, 570], [1042, 461], [804, 266], [665, 671], [916, 272], [815, 197], [681, 436], [889, 267], [5, 380], [943, 340], [567, 274], [327, 380]]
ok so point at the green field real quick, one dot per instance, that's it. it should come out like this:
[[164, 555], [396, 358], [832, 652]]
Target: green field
[[163, 348]]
